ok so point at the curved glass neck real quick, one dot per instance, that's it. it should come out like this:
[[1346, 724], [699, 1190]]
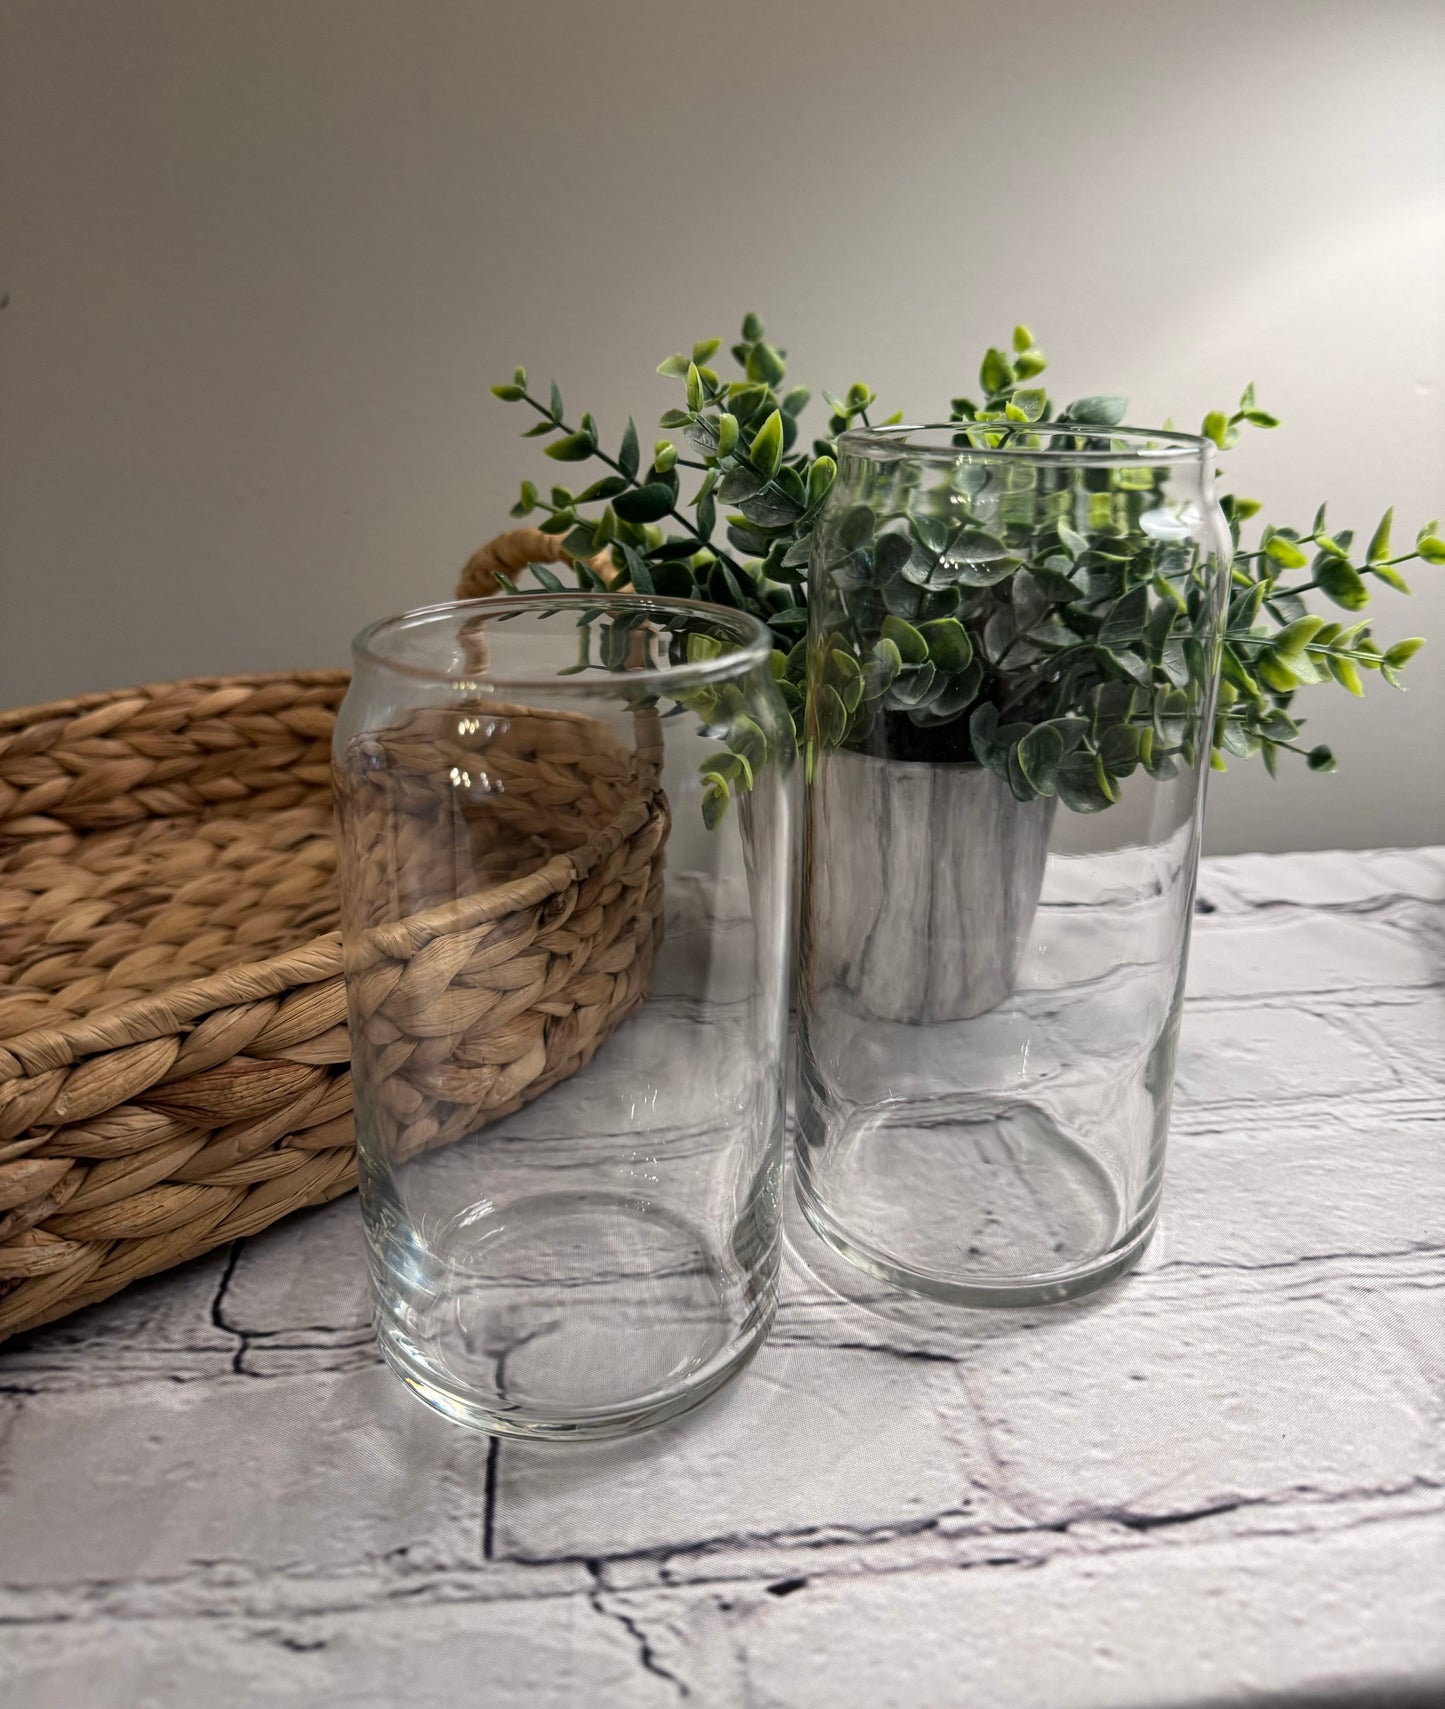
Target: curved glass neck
[[1044, 443], [563, 642]]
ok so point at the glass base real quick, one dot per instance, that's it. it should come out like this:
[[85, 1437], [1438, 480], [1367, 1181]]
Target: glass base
[[568, 1316], [975, 1202]]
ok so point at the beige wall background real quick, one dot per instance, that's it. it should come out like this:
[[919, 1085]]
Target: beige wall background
[[261, 262]]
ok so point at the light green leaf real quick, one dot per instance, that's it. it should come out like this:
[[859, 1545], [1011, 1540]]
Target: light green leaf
[[572, 448], [714, 800], [1345, 673], [996, 373], [820, 480], [766, 452], [727, 434], [1403, 651], [1284, 553], [1296, 636], [674, 367]]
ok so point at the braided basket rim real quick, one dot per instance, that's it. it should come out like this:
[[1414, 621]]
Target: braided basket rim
[[139, 1020]]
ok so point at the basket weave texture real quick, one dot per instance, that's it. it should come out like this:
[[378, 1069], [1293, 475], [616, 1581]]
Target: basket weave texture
[[174, 1052]]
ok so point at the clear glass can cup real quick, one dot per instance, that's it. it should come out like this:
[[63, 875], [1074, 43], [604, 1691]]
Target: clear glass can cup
[[564, 836], [1014, 643]]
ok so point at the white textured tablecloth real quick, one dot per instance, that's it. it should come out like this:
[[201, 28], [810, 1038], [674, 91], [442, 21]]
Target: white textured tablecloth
[[1221, 1480]]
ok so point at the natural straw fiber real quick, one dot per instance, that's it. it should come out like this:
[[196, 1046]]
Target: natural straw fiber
[[174, 1056]]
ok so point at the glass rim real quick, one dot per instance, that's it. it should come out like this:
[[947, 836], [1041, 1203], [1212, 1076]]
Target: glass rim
[[1149, 444], [753, 637]]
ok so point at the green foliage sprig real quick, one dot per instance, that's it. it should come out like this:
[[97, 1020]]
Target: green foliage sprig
[[1062, 662]]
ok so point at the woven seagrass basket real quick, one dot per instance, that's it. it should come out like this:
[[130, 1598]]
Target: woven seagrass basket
[[174, 1056]]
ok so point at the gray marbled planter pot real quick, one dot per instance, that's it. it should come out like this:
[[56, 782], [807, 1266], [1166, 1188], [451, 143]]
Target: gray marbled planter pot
[[924, 881]]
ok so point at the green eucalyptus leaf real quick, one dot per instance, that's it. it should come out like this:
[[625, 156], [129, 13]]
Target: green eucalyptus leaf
[[1341, 582], [1284, 553], [1320, 759], [1126, 618], [1096, 411], [1379, 547], [1077, 782], [765, 365], [572, 448], [766, 451], [714, 801], [1119, 749], [855, 529], [1403, 651], [996, 374], [911, 645], [822, 472], [947, 642], [546, 578], [1039, 754], [644, 504], [627, 453], [1296, 636], [740, 483]]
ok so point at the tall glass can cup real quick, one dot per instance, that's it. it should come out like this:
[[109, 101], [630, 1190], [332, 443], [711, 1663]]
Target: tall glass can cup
[[564, 835], [1013, 652]]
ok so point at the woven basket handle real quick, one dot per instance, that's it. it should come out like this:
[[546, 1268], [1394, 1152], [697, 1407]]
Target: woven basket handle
[[512, 552]]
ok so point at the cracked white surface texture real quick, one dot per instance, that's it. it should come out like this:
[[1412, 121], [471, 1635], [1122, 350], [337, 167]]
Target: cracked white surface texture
[[1220, 1481]]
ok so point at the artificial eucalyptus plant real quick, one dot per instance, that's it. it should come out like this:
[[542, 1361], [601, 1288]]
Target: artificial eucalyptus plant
[[1061, 662]]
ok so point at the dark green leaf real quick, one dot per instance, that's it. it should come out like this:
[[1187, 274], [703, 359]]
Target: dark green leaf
[[1125, 621], [740, 483], [1080, 784], [627, 452], [1097, 411], [546, 578], [856, 528], [1039, 754], [911, 645], [765, 366], [947, 642], [644, 504]]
